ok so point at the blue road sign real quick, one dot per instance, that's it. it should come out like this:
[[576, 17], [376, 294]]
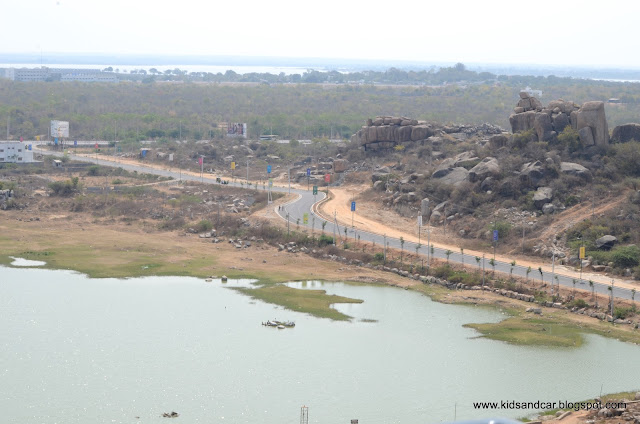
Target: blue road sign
[[75, 142], [308, 172], [268, 169], [353, 206], [29, 146], [495, 235], [55, 141]]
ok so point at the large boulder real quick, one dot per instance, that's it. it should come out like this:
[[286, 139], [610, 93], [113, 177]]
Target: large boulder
[[592, 115], [452, 176], [522, 121], [560, 122], [606, 242], [576, 169], [465, 159], [626, 132], [532, 172], [542, 196], [586, 136], [543, 126], [340, 165], [403, 134], [488, 166], [421, 132]]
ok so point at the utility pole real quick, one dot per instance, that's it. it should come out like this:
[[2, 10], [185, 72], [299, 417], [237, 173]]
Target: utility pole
[[612, 316], [385, 249], [553, 271], [483, 272], [288, 224], [523, 224], [289, 176], [334, 227], [247, 172]]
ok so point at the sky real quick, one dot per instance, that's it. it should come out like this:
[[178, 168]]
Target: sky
[[569, 32]]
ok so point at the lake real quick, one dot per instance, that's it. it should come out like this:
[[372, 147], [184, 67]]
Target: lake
[[80, 350]]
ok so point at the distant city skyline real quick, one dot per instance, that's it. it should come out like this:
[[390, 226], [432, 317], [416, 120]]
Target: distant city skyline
[[495, 32]]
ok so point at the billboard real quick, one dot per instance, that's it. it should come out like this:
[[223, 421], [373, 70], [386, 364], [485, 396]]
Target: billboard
[[236, 130], [59, 129]]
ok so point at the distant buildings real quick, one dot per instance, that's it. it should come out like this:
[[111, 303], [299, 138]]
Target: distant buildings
[[59, 74], [15, 152], [532, 92]]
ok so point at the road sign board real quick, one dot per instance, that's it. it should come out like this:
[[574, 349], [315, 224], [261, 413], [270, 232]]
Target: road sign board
[[315, 190], [233, 165], [495, 235], [308, 172], [268, 169], [582, 252], [96, 145], [305, 218], [75, 142], [419, 220], [55, 140], [270, 182], [353, 206], [327, 178]]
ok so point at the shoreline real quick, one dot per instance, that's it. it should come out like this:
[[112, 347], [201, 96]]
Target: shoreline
[[117, 250]]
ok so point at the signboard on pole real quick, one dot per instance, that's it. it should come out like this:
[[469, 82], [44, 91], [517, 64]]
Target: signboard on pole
[[268, 169], [305, 218], [353, 206], [315, 190], [308, 172], [96, 145], [327, 178], [60, 128], [270, 182], [495, 235], [582, 252], [75, 143], [170, 155], [419, 220], [233, 165], [236, 129], [55, 141], [201, 161]]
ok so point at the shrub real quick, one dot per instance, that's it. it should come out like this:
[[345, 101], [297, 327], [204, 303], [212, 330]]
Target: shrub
[[204, 225], [626, 256], [578, 303], [378, 257], [93, 171], [325, 240], [622, 313], [64, 188]]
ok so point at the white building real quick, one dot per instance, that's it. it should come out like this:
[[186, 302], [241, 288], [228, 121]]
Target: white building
[[15, 152]]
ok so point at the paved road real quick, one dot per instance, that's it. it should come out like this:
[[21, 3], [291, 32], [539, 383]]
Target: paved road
[[304, 204]]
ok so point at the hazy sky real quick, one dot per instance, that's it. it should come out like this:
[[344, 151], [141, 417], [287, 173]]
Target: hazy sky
[[563, 32]]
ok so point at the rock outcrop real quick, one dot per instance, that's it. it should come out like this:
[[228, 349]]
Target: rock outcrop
[[591, 115], [625, 133], [547, 122], [385, 132], [542, 196], [606, 242], [487, 167]]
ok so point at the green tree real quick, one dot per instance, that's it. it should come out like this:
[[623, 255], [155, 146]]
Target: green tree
[[528, 271], [492, 262], [448, 253], [478, 258], [513, 264]]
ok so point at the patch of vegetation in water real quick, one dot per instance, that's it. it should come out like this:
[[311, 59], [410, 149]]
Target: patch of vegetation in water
[[314, 302]]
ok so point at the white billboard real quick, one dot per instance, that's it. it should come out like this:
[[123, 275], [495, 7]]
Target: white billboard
[[59, 129]]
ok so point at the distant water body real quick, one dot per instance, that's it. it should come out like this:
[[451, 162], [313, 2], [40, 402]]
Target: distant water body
[[214, 69]]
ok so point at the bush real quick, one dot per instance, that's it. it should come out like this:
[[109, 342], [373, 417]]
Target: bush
[[325, 240], [626, 256], [378, 257], [64, 188], [578, 303], [93, 171], [622, 313], [204, 225]]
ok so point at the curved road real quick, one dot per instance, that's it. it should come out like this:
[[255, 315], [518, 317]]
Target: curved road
[[294, 210]]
